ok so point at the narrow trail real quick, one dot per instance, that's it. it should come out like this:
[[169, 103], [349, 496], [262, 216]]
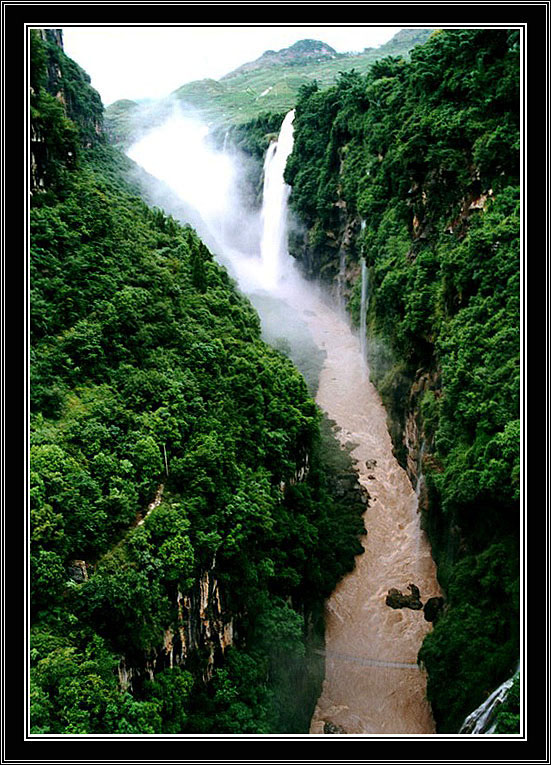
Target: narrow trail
[[372, 681]]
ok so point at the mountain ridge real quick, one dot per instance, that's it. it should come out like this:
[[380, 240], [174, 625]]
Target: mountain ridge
[[300, 52], [270, 83]]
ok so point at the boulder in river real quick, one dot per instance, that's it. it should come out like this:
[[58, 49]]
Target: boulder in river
[[329, 727], [396, 599], [432, 608]]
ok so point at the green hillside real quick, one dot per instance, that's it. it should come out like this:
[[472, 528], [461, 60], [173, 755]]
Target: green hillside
[[269, 84]]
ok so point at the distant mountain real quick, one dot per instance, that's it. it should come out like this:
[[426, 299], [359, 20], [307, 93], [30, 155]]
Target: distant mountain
[[268, 84], [303, 51]]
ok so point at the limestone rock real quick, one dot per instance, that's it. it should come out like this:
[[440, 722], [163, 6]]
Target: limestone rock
[[432, 609]]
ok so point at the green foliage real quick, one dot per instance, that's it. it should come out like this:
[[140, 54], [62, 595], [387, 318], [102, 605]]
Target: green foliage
[[74, 687], [508, 717], [167, 440]]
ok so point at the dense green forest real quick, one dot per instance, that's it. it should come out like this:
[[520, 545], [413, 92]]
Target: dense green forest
[[187, 511], [420, 161], [185, 526]]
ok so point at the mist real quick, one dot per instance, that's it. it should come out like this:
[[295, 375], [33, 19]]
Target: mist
[[206, 186]]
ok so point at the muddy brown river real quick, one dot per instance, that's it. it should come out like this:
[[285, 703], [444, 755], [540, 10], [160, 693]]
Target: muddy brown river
[[372, 681]]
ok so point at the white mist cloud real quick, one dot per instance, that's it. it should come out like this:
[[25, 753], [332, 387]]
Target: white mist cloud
[[177, 153], [208, 183]]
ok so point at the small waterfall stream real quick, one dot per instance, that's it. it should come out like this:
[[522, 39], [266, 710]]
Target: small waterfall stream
[[482, 720], [364, 305]]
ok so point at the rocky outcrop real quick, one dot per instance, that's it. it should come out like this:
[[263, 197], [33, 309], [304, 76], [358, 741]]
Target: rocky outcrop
[[70, 85], [395, 599], [433, 609], [201, 624], [78, 571], [329, 727]]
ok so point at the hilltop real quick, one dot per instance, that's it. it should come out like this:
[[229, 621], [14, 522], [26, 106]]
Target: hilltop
[[269, 84]]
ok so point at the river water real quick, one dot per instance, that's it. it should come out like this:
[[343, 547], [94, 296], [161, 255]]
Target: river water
[[372, 681]]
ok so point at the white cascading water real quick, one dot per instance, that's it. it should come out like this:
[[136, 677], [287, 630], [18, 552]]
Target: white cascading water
[[481, 721], [364, 305], [273, 244], [372, 681]]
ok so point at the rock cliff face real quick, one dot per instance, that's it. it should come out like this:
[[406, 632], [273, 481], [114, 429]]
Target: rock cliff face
[[202, 624], [333, 257], [70, 86]]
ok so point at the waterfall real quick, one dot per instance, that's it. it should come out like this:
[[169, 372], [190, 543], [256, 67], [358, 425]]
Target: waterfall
[[420, 484], [364, 305], [273, 246], [341, 280], [482, 719]]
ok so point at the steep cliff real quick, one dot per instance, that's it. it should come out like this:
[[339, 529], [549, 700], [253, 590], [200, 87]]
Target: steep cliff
[[415, 169], [67, 113]]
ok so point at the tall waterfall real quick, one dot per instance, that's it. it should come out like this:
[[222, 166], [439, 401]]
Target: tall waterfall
[[273, 245]]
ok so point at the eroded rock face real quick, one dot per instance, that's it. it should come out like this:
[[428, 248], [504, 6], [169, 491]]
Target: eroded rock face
[[330, 727], [396, 599], [78, 571], [202, 623]]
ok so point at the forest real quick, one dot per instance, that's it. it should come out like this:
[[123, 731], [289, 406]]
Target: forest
[[188, 517], [176, 462]]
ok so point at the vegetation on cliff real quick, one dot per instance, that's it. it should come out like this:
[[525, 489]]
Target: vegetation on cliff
[[419, 161], [169, 444]]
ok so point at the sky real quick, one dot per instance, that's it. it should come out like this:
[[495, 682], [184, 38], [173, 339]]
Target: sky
[[151, 62]]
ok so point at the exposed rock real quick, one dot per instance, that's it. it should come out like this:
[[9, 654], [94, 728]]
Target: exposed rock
[[371, 464], [396, 599], [125, 675], [202, 623], [78, 571], [152, 505], [298, 53], [330, 727], [433, 608]]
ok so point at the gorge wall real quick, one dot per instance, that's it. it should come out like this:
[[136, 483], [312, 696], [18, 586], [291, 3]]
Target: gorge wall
[[414, 168]]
